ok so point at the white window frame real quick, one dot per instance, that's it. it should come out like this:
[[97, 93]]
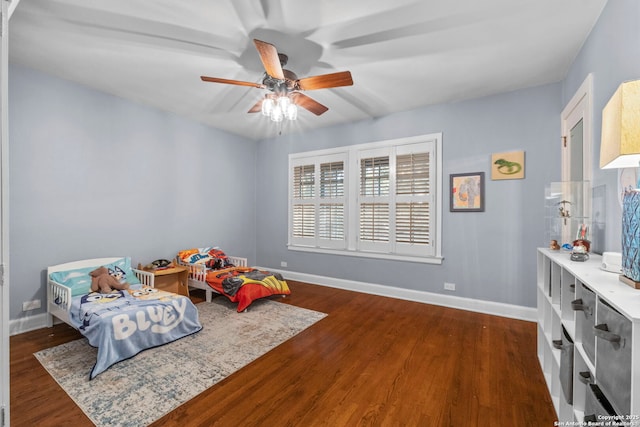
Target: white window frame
[[351, 156], [316, 200]]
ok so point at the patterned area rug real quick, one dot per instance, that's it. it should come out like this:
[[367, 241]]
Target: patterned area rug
[[161, 379]]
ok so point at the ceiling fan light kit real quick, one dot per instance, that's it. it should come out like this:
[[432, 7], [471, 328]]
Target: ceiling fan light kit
[[285, 87], [279, 108]]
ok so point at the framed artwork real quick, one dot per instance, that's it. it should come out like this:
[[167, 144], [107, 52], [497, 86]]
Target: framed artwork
[[467, 192], [507, 165]]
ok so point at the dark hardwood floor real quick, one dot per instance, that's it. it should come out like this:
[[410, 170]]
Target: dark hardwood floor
[[374, 361]]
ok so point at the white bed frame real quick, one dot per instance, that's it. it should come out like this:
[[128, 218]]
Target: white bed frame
[[62, 294], [198, 274]]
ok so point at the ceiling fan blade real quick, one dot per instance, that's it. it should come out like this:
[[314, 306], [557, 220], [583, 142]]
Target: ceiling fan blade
[[270, 60], [231, 82], [324, 81], [308, 103], [256, 108]]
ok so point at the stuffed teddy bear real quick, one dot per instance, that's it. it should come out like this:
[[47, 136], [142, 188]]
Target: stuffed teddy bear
[[103, 282]]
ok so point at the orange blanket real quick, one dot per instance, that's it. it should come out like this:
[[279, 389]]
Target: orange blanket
[[245, 284]]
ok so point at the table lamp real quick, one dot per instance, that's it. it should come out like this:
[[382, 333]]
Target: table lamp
[[620, 148]]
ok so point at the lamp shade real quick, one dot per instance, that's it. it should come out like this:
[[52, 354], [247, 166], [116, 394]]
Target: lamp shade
[[620, 144]]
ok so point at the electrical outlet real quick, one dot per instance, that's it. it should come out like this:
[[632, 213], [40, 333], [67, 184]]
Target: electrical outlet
[[31, 305], [450, 286], [283, 263]]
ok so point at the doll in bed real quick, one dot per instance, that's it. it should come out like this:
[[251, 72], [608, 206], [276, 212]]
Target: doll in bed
[[103, 282]]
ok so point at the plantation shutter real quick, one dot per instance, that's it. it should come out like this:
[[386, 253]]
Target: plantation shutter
[[412, 223], [374, 200], [331, 212], [317, 214], [412, 216], [413, 200], [303, 206], [374, 222], [374, 206]]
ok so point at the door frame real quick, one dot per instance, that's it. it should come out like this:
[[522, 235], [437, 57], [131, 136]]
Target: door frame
[[5, 13], [580, 107], [4, 283]]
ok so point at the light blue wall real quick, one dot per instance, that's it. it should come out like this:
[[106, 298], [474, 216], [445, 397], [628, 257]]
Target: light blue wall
[[92, 175], [612, 54], [490, 255]]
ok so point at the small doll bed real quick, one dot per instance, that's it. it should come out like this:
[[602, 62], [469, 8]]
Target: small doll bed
[[123, 323], [211, 270]]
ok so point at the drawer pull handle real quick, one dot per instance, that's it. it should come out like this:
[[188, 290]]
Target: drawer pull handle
[[585, 377], [572, 288], [602, 331], [577, 305], [557, 344]]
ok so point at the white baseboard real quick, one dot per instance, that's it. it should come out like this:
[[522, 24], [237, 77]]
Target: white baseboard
[[28, 323], [486, 307], [39, 321]]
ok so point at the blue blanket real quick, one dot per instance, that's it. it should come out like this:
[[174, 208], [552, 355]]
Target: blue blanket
[[124, 323]]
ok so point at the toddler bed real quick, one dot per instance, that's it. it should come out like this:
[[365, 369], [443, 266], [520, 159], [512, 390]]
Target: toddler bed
[[212, 270], [123, 323]]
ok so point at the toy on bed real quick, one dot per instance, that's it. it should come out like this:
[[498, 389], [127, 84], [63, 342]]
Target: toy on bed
[[211, 269], [123, 322], [103, 282]]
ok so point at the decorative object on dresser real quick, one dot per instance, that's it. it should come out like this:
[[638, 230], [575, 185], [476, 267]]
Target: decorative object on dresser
[[567, 218], [612, 262], [579, 253], [631, 239], [586, 305], [582, 237], [620, 148], [580, 248]]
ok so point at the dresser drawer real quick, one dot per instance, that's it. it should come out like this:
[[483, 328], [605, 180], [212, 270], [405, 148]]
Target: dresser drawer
[[585, 308], [613, 356], [596, 405], [566, 366]]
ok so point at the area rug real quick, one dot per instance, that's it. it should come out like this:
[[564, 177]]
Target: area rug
[[161, 379]]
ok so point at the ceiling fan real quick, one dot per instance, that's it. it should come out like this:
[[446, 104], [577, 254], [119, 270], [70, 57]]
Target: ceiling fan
[[285, 87]]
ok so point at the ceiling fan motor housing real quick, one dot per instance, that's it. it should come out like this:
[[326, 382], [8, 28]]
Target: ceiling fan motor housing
[[281, 87]]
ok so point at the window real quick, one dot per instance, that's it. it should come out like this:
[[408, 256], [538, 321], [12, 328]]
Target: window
[[413, 191], [304, 222], [318, 202], [331, 213], [374, 200]]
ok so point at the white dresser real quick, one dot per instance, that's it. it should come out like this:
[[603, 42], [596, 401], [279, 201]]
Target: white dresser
[[588, 339]]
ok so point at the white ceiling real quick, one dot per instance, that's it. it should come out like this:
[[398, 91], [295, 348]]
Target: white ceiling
[[402, 54]]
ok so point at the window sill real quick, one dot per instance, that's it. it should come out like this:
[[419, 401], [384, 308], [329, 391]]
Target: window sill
[[393, 257]]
